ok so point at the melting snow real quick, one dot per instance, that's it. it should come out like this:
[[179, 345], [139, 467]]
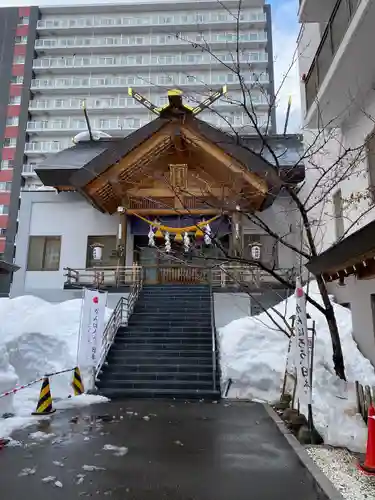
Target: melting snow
[[253, 354], [37, 337]]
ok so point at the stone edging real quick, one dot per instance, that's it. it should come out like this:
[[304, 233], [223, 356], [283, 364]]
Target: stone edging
[[320, 479]]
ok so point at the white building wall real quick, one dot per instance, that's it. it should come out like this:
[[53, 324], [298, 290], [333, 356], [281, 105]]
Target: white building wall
[[347, 142]]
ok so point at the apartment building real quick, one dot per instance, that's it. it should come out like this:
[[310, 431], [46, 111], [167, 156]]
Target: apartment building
[[17, 39], [64, 57], [338, 89]]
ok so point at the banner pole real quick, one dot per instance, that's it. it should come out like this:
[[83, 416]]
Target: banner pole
[[80, 324]]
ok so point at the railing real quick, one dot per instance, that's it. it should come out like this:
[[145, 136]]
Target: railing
[[119, 317], [45, 147], [144, 81], [101, 104], [213, 330], [103, 276], [146, 40], [144, 20], [127, 62], [225, 276], [332, 37]]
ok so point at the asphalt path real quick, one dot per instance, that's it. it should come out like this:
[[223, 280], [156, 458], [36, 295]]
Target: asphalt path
[[155, 450]]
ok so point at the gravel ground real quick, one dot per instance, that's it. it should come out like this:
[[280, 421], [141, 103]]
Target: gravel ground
[[340, 466]]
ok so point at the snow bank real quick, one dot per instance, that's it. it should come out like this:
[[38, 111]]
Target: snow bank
[[37, 337], [253, 354]]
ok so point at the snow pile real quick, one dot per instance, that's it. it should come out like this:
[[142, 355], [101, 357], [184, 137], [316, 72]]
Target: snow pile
[[37, 337], [253, 355]]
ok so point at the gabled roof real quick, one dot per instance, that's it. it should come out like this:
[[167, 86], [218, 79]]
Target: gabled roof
[[81, 163]]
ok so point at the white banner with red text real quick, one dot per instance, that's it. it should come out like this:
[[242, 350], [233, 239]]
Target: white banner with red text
[[91, 328]]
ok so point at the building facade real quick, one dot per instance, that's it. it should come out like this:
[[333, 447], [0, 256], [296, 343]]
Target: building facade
[[17, 39], [339, 103], [92, 54]]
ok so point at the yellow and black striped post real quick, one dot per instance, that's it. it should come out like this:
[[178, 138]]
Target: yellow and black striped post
[[44, 406], [77, 383]]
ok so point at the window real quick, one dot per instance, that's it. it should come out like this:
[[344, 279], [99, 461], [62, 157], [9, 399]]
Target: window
[[4, 210], [12, 121], [15, 99], [19, 60], [10, 142], [17, 79], [20, 39], [6, 164], [5, 186], [44, 253], [2, 231], [24, 20], [109, 257], [268, 248], [338, 214]]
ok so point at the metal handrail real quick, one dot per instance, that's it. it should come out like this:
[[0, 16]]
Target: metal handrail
[[119, 317], [213, 330]]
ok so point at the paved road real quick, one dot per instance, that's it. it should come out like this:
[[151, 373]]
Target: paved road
[[181, 451]]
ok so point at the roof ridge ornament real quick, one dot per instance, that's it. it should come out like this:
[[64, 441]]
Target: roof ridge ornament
[[175, 101]]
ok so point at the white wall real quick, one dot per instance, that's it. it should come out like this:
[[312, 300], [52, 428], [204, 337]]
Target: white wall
[[308, 42], [282, 218], [66, 215]]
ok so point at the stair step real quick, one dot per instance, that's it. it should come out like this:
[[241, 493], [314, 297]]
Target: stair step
[[182, 340], [157, 384], [160, 393], [145, 376], [152, 359], [168, 315], [187, 329], [158, 347], [158, 368]]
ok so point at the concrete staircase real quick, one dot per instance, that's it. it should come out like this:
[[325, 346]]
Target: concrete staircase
[[167, 348]]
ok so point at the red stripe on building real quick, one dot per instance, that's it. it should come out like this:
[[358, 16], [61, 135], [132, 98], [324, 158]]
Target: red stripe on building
[[6, 175], [2, 245], [18, 70], [11, 132], [20, 50], [24, 11], [14, 110], [22, 30], [15, 90], [4, 198], [8, 153]]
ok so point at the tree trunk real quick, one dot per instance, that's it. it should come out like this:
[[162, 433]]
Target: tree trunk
[[338, 359]]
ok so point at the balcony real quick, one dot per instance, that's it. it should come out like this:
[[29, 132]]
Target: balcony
[[28, 171], [161, 81], [146, 22], [340, 71], [139, 43], [41, 148], [119, 125], [315, 11], [115, 105], [133, 63]]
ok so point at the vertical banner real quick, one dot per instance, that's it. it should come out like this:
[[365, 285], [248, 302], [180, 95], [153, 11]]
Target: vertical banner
[[302, 347], [91, 328]]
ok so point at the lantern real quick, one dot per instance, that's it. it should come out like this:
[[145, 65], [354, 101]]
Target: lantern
[[97, 251], [256, 251]]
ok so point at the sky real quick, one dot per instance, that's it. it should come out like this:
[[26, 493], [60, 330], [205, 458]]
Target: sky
[[285, 32]]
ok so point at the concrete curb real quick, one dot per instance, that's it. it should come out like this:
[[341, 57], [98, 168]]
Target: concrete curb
[[321, 480]]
